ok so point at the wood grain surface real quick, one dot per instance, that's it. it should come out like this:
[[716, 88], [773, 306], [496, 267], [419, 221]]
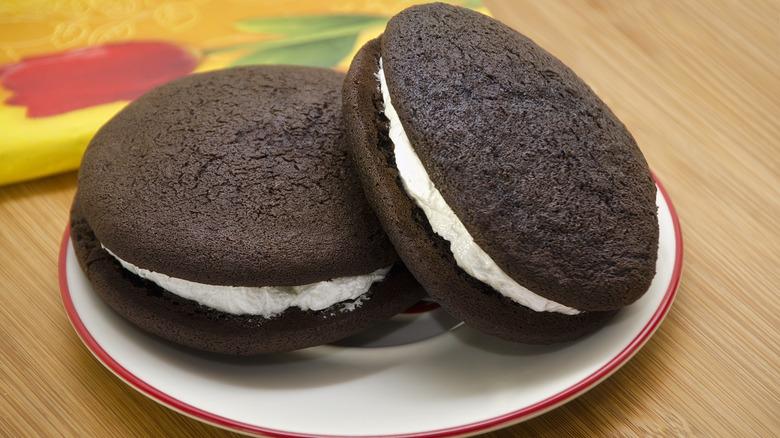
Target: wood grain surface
[[697, 83]]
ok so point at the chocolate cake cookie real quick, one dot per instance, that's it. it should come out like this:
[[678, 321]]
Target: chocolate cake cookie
[[220, 211], [509, 189]]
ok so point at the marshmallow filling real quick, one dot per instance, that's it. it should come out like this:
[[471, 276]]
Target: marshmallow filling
[[468, 255], [266, 301]]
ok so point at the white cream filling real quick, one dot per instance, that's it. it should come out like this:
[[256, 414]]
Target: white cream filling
[[469, 256], [266, 301]]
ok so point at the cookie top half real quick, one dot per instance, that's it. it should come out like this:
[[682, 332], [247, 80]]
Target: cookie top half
[[234, 177], [542, 174]]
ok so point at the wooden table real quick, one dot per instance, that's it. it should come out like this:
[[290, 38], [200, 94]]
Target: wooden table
[[698, 84]]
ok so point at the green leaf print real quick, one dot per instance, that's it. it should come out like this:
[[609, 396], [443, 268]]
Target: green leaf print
[[310, 24], [317, 53], [314, 40]]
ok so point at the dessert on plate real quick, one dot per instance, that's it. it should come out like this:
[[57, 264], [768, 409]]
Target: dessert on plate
[[220, 211], [510, 190]]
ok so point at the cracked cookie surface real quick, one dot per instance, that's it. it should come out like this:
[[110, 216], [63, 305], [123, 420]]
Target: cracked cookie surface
[[244, 171]]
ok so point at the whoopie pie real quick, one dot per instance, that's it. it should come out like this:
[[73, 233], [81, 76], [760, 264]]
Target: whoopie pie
[[509, 189], [220, 211]]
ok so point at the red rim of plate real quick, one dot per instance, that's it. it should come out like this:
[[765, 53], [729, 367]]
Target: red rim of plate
[[505, 420]]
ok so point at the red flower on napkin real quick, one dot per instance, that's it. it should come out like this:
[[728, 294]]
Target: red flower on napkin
[[59, 83]]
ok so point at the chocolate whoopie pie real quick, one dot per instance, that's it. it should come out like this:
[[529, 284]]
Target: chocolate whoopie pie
[[509, 189], [220, 211]]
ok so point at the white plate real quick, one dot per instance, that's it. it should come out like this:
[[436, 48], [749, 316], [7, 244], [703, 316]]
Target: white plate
[[459, 382]]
